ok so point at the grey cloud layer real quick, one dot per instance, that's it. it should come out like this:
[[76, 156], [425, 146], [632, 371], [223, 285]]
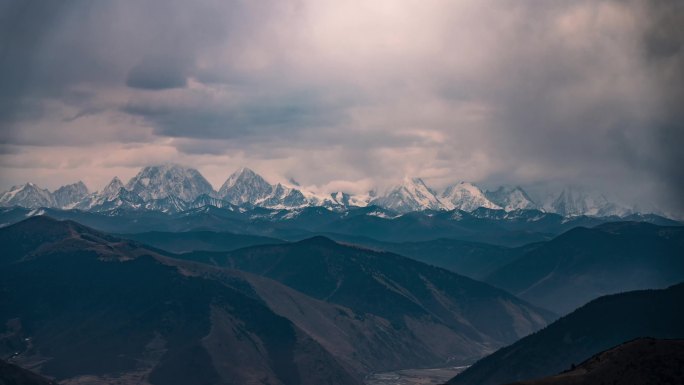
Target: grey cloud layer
[[490, 91]]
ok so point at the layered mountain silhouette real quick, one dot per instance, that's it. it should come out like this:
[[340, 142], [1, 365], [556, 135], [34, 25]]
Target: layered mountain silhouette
[[638, 362], [585, 263], [485, 261], [593, 328], [81, 305], [183, 242], [85, 306], [425, 306]]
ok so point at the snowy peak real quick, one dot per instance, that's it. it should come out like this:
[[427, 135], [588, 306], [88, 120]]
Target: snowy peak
[[467, 197], [242, 175], [411, 195], [157, 182], [28, 195], [575, 201], [98, 199], [112, 188], [245, 187], [511, 198], [67, 196]]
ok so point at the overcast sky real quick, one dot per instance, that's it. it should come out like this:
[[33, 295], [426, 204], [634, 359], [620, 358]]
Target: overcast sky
[[348, 94]]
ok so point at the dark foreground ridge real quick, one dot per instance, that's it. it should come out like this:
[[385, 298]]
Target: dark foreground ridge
[[11, 374], [638, 362]]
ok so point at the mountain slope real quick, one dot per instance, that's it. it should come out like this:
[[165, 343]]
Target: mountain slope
[[474, 260], [642, 361], [71, 295], [583, 264], [595, 327], [424, 302]]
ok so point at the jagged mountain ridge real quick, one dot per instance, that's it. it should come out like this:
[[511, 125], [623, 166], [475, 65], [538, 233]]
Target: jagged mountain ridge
[[174, 188]]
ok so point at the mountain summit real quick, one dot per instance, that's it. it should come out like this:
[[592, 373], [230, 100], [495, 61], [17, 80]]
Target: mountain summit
[[28, 195], [574, 201], [411, 195], [157, 182], [245, 186], [511, 198], [467, 197]]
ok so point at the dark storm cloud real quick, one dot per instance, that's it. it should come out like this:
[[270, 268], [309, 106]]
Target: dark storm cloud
[[586, 104], [158, 73], [256, 117], [22, 28], [48, 48], [664, 48]]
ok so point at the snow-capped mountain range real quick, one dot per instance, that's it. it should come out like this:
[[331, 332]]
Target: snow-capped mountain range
[[174, 188]]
